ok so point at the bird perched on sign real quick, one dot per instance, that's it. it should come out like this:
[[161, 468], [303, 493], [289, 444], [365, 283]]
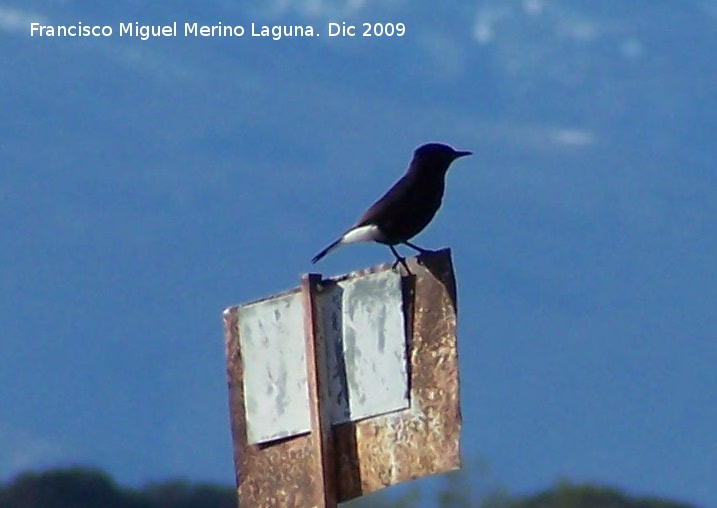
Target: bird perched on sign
[[408, 207]]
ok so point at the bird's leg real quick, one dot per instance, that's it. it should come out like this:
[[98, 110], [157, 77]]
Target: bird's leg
[[417, 248], [399, 259]]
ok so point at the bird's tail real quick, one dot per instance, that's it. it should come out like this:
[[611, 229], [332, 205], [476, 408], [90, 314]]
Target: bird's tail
[[328, 249], [365, 233]]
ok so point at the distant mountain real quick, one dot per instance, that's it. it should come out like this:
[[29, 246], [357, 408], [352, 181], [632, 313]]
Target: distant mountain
[[91, 488]]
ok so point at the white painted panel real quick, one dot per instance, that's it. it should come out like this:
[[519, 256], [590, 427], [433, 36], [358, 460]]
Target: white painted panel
[[363, 327], [363, 324], [271, 334]]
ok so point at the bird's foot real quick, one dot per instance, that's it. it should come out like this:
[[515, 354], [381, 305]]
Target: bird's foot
[[403, 262], [399, 259]]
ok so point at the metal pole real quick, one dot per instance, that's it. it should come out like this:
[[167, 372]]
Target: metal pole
[[318, 394]]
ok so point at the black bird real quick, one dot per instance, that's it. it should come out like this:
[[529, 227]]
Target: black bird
[[407, 208]]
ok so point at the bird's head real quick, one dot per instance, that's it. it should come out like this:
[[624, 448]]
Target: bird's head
[[435, 158]]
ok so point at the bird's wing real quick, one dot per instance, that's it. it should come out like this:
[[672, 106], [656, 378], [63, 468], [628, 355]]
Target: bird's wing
[[398, 201]]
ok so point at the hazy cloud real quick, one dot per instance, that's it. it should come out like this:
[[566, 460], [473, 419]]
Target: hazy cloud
[[16, 20], [446, 53], [313, 9], [572, 137]]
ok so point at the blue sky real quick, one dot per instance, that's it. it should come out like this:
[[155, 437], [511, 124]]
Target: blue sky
[[147, 185]]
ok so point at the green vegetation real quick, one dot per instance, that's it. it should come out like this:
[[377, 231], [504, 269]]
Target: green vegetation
[[91, 488]]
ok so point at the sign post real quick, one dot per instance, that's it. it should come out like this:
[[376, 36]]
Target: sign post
[[318, 393]]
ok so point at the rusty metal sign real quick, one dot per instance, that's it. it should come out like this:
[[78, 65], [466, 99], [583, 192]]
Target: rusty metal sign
[[370, 401]]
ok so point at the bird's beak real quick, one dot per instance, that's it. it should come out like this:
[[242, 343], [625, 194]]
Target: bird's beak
[[462, 154]]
